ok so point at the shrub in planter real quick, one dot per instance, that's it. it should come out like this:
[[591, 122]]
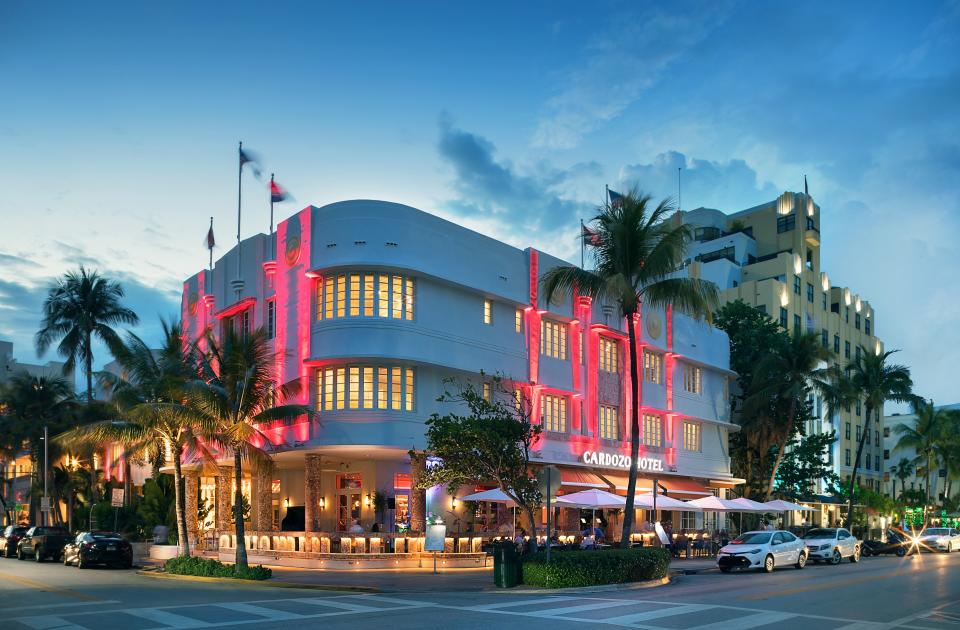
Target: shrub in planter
[[589, 568], [208, 567]]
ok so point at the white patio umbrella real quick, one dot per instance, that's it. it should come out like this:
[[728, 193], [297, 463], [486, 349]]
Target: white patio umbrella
[[665, 503], [714, 504], [779, 505], [749, 505], [593, 500], [495, 496]]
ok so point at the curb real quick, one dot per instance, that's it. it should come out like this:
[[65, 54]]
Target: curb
[[600, 588], [270, 583]]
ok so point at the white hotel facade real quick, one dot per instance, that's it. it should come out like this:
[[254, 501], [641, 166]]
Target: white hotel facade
[[375, 304]]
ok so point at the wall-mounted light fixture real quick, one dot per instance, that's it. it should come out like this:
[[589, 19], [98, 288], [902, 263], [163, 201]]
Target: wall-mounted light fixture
[[323, 503], [366, 500], [286, 502], [453, 503]]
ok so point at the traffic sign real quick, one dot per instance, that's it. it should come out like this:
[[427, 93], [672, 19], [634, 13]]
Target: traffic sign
[[45, 504], [116, 497]]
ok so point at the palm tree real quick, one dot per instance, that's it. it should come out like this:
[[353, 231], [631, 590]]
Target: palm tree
[[782, 380], [901, 470], [924, 435], [149, 396], [636, 252], [80, 306], [236, 391], [875, 381]]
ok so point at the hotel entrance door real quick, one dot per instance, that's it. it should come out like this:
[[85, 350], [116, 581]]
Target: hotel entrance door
[[348, 499]]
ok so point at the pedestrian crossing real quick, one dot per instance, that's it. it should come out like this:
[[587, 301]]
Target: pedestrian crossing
[[376, 609]]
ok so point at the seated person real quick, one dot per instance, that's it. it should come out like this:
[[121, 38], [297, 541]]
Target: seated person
[[355, 527]]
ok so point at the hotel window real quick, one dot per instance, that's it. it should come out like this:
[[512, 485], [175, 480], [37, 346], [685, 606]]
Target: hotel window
[[836, 343], [846, 457], [271, 319], [846, 431], [783, 317], [859, 433], [553, 339], [691, 379], [859, 409], [691, 436], [609, 355], [809, 293], [857, 353], [823, 302], [846, 317], [652, 367], [846, 349], [866, 325], [652, 430], [796, 322], [609, 423], [245, 323], [486, 392], [518, 320], [366, 387], [876, 463], [366, 295], [824, 338], [786, 224], [856, 321], [876, 438], [487, 312], [796, 285], [553, 413]]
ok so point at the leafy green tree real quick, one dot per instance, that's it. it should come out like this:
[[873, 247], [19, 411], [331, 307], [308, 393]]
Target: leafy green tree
[[236, 390], [805, 463], [158, 505], [491, 443], [901, 470], [875, 380], [150, 410], [636, 254], [947, 450], [81, 306], [923, 435]]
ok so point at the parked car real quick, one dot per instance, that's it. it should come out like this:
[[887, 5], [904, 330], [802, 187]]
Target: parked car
[[89, 548], [944, 539], [9, 538], [41, 543], [896, 543], [831, 544], [764, 550]]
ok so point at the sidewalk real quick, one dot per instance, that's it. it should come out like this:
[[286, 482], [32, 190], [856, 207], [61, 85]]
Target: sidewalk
[[386, 581]]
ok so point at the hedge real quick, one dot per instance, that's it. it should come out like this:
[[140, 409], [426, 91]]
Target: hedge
[[592, 567], [208, 567]]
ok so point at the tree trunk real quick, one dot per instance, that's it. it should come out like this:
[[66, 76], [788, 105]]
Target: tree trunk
[[70, 509], [532, 543], [893, 491], [241, 549], [634, 436], [180, 505], [856, 467], [780, 448], [88, 359]]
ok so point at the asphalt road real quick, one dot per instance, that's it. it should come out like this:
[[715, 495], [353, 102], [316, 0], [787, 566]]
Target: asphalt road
[[917, 592]]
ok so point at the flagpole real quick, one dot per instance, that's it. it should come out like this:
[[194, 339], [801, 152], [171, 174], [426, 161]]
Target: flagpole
[[679, 190], [239, 193], [271, 203], [582, 243], [210, 245]]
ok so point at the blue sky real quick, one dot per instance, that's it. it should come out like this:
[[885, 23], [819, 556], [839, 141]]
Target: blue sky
[[119, 123]]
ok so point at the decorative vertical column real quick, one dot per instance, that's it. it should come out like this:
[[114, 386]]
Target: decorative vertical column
[[191, 483], [262, 509], [418, 497], [312, 493], [224, 497]]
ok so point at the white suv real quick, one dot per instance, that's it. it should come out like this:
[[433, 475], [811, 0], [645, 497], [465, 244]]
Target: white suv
[[831, 544], [762, 550]]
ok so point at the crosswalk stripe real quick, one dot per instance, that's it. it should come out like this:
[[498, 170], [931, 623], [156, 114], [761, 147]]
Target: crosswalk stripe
[[750, 621], [387, 600], [523, 602], [628, 620], [49, 622], [554, 612], [167, 619], [333, 603], [261, 611]]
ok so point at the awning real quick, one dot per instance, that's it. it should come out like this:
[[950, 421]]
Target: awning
[[578, 479], [675, 486]]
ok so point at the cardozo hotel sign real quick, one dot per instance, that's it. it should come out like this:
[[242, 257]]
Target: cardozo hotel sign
[[618, 460]]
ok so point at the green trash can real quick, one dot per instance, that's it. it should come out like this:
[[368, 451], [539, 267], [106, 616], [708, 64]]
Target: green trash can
[[506, 565]]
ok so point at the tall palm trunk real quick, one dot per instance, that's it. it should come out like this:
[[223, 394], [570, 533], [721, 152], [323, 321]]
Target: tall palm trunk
[[241, 548], [88, 365], [780, 448], [181, 507], [893, 491], [634, 436], [856, 466]]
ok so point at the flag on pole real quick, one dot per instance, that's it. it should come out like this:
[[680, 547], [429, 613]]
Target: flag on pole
[[246, 157], [616, 199], [591, 237], [211, 242], [277, 192], [806, 190]]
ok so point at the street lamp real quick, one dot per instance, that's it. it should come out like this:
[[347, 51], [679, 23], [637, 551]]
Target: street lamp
[[45, 504]]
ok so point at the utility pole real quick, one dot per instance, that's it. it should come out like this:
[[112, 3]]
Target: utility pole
[[45, 515]]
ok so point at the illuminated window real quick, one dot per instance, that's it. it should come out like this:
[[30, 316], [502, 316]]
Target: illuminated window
[[396, 393], [609, 355], [381, 388], [487, 312], [652, 430], [383, 295], [691, 379], [397, 297], [368, 294], [328, 384], [368, 388], [691, 436], [609, 423], [652, 367], [553, 339], [341, 297], [486, 392], [327, 298], [354, 295], [354, 388], [518, 399], [408, 405], [340, 387], [408, 299], [271, 319], [518, 320], [553, 413]]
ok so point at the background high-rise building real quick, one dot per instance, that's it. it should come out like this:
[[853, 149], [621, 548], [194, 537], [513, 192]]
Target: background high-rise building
[[769, 257]]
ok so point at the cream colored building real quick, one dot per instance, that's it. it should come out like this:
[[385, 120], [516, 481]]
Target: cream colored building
[[769, 257]]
